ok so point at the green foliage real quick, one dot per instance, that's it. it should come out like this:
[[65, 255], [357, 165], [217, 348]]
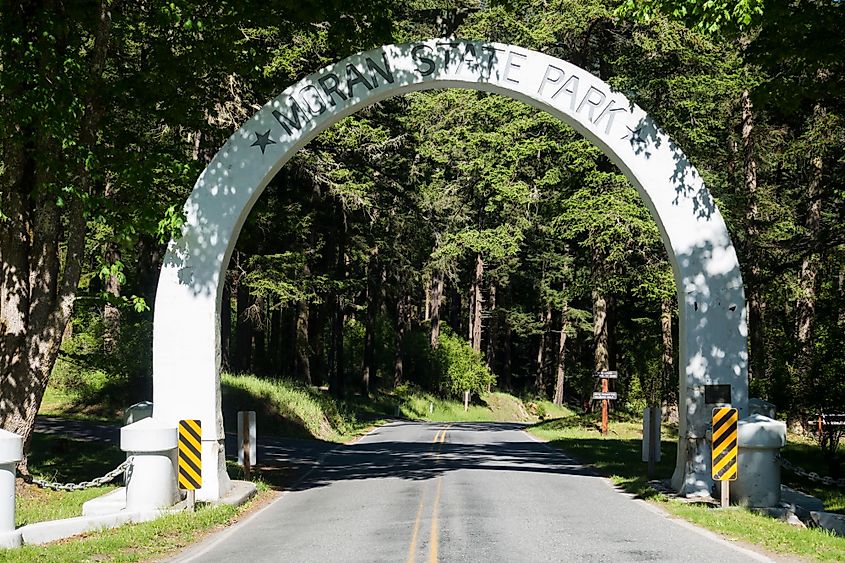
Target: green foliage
[[712, 16], [100, 383], [464, 369]]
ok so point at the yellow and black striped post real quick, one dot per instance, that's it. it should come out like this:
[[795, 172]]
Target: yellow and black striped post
[[190, 454], [725, 449]]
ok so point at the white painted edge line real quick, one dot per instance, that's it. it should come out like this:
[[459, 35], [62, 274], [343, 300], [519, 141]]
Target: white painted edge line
[[194, 552], [713, 536]]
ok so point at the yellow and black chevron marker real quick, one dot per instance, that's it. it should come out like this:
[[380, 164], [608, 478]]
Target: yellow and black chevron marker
[[190, 454], [724, 444]]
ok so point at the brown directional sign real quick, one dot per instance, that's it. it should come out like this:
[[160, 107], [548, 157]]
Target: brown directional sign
[[724, 444], [190, 454], [601, 395]]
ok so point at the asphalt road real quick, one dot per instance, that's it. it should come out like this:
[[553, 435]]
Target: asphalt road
[[457, 492]]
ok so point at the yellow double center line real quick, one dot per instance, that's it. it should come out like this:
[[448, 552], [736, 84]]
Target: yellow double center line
[[439, 438]]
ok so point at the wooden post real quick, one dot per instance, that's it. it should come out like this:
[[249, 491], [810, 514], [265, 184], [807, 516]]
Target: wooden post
[[247, 445], [604, 389], [726, 494], [192, 500]]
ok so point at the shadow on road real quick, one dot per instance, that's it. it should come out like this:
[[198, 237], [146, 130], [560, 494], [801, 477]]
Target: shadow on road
[[284, 461], [426, 460]]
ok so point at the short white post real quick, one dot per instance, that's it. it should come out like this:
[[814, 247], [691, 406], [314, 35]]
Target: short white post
[[151, 482], [11, 452], [247, 445], [651, 439]]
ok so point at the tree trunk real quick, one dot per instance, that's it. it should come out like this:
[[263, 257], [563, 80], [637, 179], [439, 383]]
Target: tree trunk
[[561, 356], [111, 313], [428, 281], [336, 366], [36, 300], [338, 370], [275, 358], [756, 305], [436, 300], [303, 352], [243, 329], [668, 355], [805, 308], [147, 268], [492, 329], [613, 351], [259, 335], [399, 335], [477, 304], [600, 336], [507, 370], [455, 309], [508, 343], [540, 374], [368, 370]]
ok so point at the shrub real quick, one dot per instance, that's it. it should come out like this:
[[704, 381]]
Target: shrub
[[463, 369]]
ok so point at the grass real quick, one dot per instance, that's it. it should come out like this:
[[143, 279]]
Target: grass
[[291, 409], [489, 407], [618, 456], [38, 505], [804, 452], [70, 404], [134, 542], [774, 535], [60, 458]]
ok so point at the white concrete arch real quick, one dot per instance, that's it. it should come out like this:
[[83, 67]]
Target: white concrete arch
[[186, 343]]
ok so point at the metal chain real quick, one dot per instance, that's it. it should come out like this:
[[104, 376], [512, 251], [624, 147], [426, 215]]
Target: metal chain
[[812, 475], [98, 482]]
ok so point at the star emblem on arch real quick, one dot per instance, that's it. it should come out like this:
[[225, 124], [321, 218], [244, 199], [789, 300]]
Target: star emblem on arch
[[262, 140]]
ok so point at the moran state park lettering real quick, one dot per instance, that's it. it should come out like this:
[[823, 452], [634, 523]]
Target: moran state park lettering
[[357, 78], [330, 89]]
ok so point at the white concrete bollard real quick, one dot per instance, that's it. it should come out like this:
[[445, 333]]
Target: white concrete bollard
[[759, 439], [11, 452], [138, 411], [151, 482]]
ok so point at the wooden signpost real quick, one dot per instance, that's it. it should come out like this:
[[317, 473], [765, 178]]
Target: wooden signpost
[[724, 449], [605, 395]]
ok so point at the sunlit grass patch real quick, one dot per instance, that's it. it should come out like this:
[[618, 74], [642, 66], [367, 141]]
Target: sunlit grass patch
[[489, 407], [289, 408], [134, 542], [774, 535]]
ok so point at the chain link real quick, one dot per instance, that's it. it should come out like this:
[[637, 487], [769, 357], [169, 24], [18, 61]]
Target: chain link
[[812, 475], [98, 482]]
